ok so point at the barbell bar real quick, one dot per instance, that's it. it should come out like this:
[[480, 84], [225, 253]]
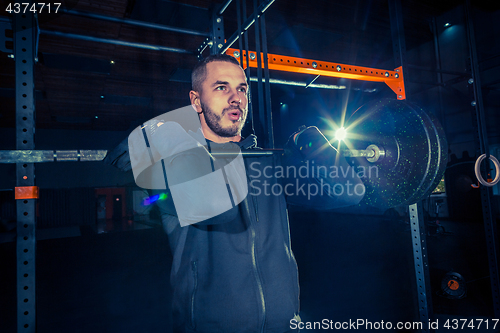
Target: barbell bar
[[407, 145], [372, 153], [43, 156]]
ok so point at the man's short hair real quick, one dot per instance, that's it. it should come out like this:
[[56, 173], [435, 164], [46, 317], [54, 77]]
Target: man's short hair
[[199, 73]]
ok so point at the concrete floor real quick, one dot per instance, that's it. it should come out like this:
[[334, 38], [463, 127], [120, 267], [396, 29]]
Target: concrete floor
[[115, 277]]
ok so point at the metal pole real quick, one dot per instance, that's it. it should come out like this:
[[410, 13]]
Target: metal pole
[[267, 86], [261, 125], [418, 234], [247, 70], [481, 139], [437, 54], [24, 52], [247, 24], [224, 7], [217, 33], [241, 15], [240, 41], [398, 39], [302, 84], [115, 42], [136, 23], [421, 264]]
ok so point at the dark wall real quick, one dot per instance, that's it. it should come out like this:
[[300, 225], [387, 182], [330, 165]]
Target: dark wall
[[111, 282], [353, 267]]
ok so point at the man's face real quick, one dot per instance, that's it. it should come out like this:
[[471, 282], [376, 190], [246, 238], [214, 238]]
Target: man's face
[[222, 101]]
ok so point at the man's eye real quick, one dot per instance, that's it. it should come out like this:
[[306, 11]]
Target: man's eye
[[220, 88], [243, 90]]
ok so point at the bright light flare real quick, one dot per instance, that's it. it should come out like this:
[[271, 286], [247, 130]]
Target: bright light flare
[[340, 134]]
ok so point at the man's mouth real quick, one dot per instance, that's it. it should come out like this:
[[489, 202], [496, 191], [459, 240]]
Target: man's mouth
[[234, 114]]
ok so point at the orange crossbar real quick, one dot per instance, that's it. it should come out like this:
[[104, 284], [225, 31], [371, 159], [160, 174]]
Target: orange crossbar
[[26, 192], [393, 78]]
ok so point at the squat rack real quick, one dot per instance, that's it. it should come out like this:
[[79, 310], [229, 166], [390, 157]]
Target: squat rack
[[25, 48]]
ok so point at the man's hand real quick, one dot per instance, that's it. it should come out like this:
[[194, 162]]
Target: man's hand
[[312, 142]]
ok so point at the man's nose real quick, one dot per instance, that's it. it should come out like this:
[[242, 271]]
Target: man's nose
[[235, 97]]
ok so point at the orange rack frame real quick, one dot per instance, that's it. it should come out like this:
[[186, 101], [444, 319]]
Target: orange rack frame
[[393, 78]]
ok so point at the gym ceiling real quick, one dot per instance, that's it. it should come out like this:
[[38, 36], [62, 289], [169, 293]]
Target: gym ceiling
[[90, 85]]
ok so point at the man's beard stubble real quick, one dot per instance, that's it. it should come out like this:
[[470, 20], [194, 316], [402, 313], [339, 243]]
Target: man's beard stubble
[[213, 121]]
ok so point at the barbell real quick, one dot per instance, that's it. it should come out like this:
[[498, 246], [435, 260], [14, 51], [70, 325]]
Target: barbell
[[407, 146]]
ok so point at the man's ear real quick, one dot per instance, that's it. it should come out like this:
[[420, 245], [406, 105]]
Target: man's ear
[[194, 96]]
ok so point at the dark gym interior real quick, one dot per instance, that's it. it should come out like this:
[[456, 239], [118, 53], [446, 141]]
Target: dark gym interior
[[102, 257]]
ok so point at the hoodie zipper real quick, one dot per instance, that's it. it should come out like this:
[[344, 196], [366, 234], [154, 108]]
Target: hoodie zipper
[[194, 268], [259, 282], [254, 260]]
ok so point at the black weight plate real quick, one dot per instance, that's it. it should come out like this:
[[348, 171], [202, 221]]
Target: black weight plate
[[438, 149], [416, 152]]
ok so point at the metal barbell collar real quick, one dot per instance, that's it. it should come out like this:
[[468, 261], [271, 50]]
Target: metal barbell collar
[[373, 153]]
